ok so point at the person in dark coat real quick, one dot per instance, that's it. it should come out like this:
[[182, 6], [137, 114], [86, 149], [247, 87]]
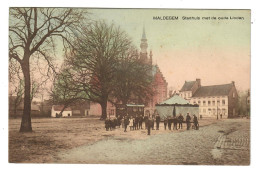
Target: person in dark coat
[[110, 123], [126, 122], [107, 124], [141, 122], [180, 120], [137, 122], [115, 123], [175, 122], [134, 123], [145, 121], [152, 123], [158, 119], [149, 126], [165, 121], [195, 121], [188, 119], [169, 123]]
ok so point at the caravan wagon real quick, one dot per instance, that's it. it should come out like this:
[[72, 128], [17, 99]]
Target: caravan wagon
[[129, 109]]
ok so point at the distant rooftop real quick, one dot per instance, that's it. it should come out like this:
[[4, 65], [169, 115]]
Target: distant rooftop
[[215, 90], [187, 86]]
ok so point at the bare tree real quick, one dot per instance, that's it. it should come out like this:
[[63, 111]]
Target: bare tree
[[16, 84], [98, 50], [33, 32], [133, 79]]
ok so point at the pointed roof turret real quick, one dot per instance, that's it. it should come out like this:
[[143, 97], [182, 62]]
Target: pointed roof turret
[[144, 44]]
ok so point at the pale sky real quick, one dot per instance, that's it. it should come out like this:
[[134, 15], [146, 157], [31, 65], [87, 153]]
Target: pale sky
[[216, 51]]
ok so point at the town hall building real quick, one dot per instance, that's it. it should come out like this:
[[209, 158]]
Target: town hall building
[[159, 82]]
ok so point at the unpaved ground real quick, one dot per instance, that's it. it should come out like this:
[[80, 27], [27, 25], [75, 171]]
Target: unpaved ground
[[195, 147], [54, 139]]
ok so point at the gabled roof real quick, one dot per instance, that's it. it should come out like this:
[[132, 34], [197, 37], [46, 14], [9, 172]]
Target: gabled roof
[[176, 99], [215, 90], [154, 70], [60, 107], [187, 86], [156, 73]]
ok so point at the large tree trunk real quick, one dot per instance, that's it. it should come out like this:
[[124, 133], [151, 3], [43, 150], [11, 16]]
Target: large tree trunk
[[15, 111], [104, 109], [26, 125]]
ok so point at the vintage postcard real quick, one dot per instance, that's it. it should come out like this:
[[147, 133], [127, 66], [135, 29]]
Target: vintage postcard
[[129, 86]]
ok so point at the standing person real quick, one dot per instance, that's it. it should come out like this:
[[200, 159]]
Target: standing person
[[169, 123], [122, 122], [165, 121], [195, 121], [110, 123], [145, 121], [114, 123], [175, 122], [149, 125], [158, 119], [131, 123], [141, 122], [107, 124], [188, 118], [126, 122], [134, 123], [152, 123], [137, 122], [180, 120]]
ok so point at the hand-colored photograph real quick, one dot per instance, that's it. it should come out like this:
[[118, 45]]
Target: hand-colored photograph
[[129, 86]]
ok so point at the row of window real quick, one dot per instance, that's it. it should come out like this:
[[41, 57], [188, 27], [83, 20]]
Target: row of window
[[210, 103], [213, 111], [186, 95]]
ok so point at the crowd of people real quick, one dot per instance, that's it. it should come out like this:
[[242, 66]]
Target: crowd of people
[[136, 122]]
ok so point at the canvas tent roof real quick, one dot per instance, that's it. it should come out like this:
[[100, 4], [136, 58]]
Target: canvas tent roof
[[176, 99]]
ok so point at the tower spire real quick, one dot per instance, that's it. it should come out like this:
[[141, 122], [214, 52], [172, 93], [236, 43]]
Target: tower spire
[[144, 44]]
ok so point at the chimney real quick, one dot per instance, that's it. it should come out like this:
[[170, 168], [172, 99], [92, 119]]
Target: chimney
[[170, 93], [199, 82]]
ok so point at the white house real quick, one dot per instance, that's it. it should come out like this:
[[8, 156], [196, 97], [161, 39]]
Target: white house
[[56, 109], [216, 101]]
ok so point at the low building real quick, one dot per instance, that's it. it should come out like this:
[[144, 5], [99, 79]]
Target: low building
[[96, 110], [81, 108], [16, 108], [216, 101], [176, 105], [56, 109]]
